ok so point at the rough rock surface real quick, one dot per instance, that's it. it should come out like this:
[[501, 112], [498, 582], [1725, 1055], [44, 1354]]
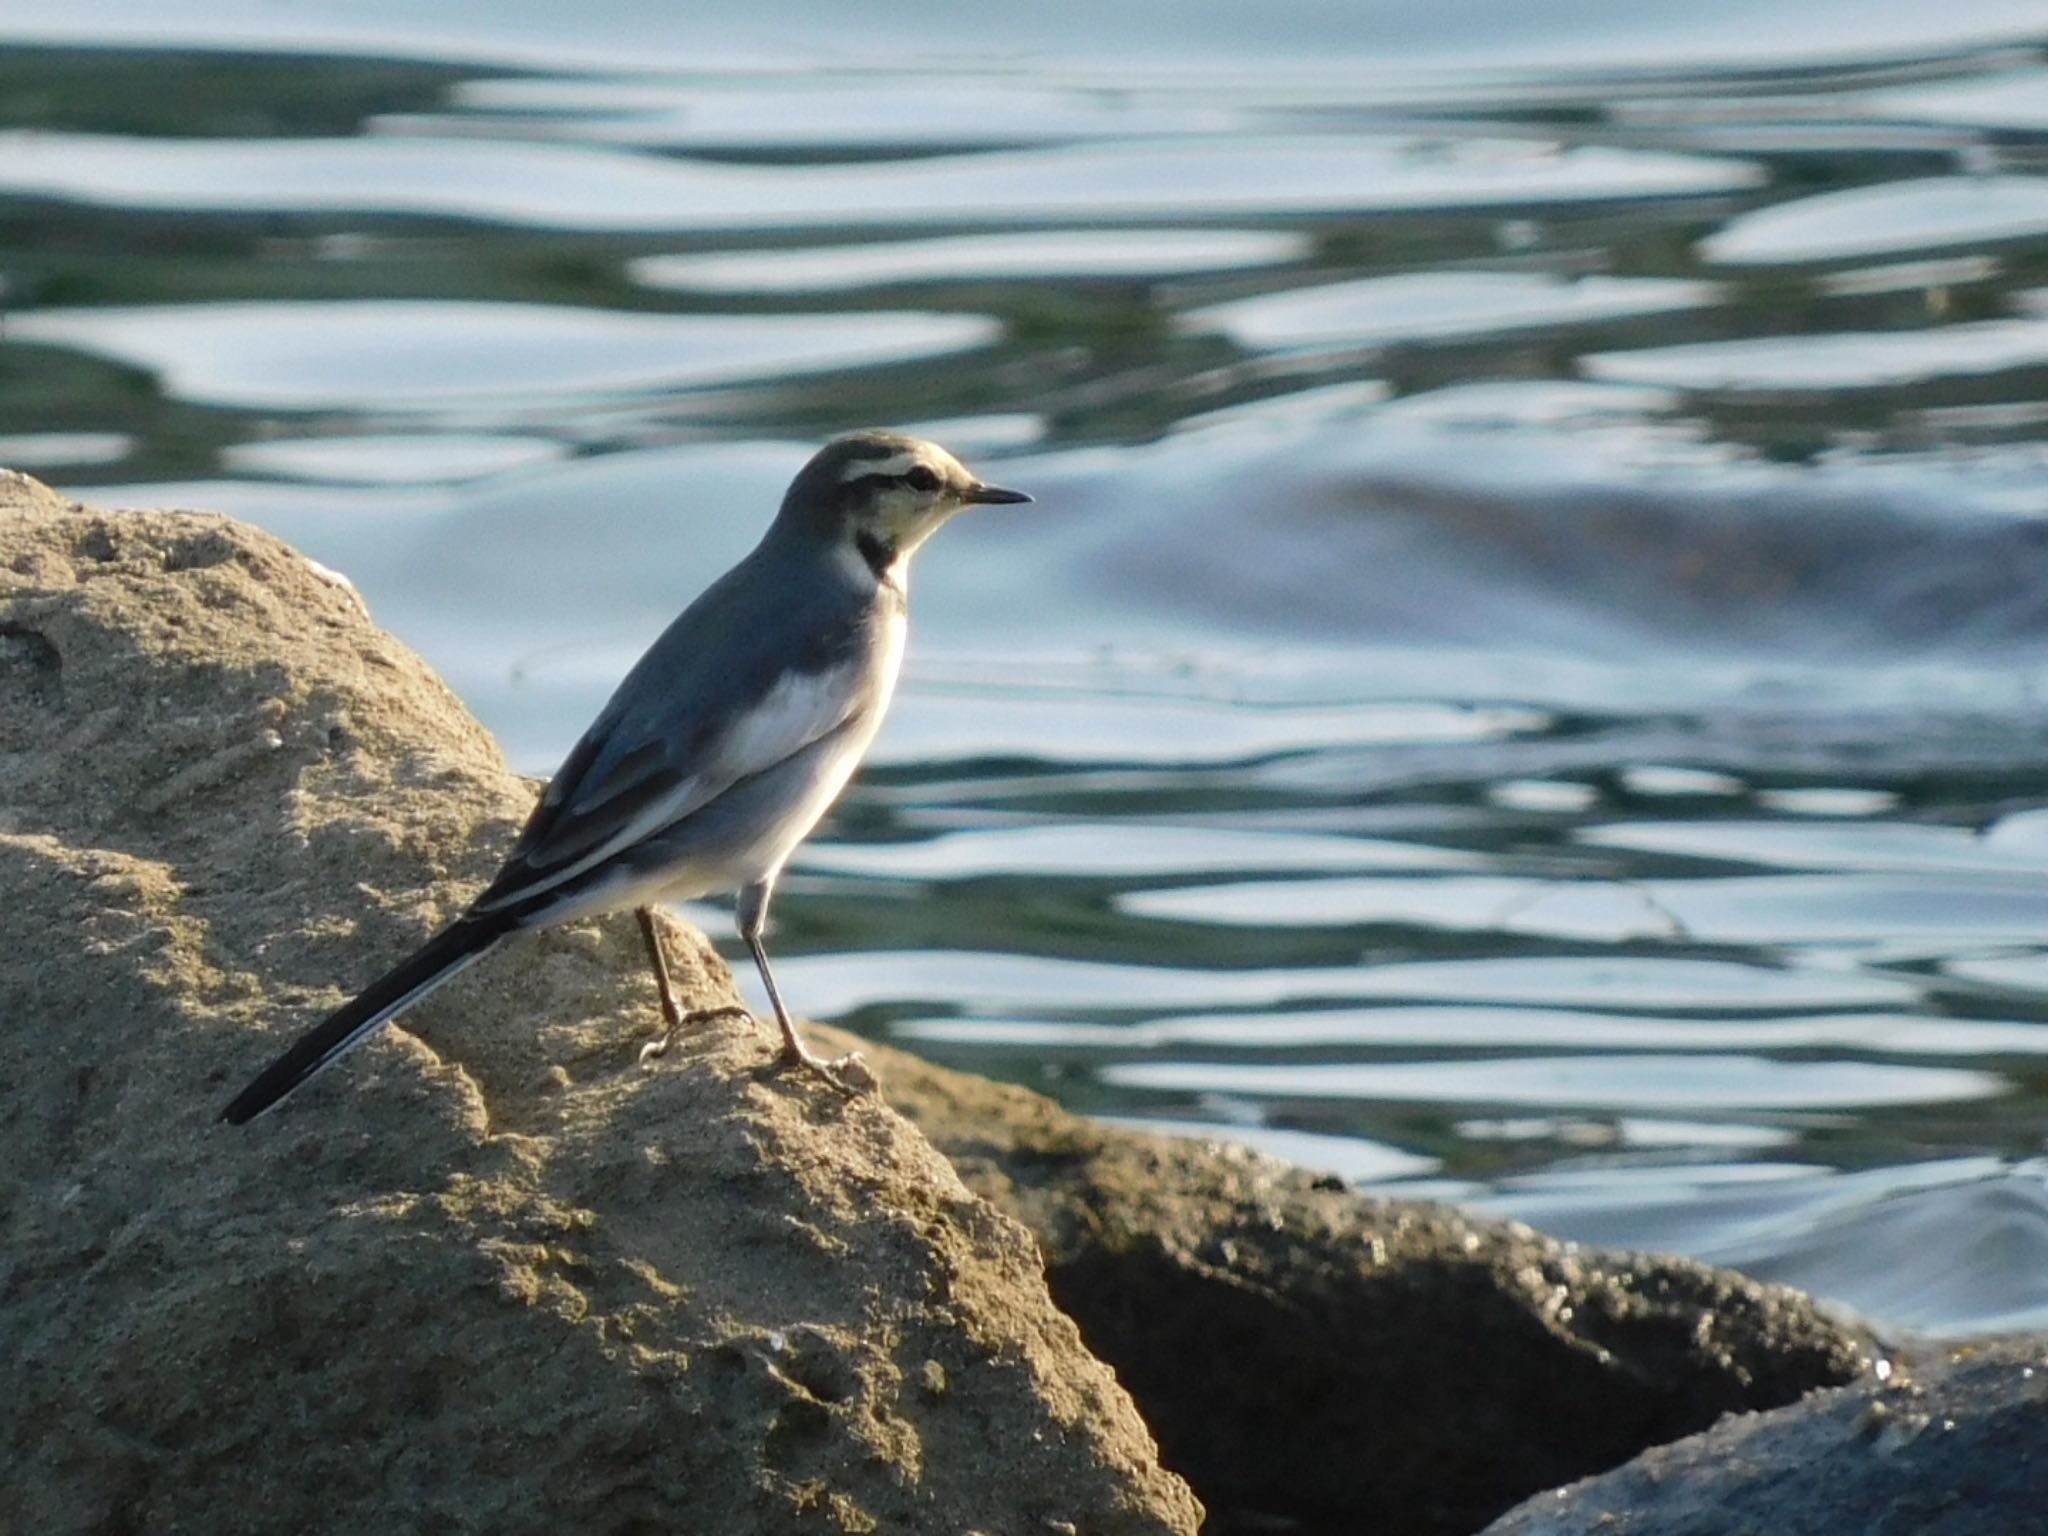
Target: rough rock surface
[[1311, 1356], [1957, 1449], [487, 1275]]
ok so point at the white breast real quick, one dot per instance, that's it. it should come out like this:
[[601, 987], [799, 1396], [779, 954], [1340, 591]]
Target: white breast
[[803, 813]]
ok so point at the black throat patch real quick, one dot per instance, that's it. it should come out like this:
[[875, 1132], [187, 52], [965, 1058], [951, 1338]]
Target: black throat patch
[[876, 551]]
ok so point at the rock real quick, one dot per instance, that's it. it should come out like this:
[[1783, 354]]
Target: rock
[[1305, 1354], [489, 1274], [486, 1275], [1954, 1450]]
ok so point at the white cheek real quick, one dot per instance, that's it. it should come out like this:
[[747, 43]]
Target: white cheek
[[911, 520]]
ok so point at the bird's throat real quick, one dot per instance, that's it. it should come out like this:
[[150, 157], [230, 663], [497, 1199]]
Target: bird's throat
[[879, 554]]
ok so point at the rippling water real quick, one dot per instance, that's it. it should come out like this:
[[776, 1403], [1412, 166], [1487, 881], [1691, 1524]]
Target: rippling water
[[1523, 683]]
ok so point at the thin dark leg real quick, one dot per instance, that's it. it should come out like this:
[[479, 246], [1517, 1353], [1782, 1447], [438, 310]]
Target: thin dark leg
[[671, 1011], [848, 1073]]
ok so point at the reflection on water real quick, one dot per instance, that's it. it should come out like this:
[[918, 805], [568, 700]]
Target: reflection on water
[[1420, 306], [1523, 682], [558, 187], [370, 355], [952, 258], [1926, 214]]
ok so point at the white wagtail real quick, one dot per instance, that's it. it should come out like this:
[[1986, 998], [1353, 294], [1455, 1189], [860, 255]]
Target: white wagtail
[[719, 752]]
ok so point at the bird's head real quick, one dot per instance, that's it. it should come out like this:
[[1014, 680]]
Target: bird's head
[[882, 494]]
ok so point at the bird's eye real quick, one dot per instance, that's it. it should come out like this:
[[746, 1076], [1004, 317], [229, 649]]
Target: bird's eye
[[922, 478]]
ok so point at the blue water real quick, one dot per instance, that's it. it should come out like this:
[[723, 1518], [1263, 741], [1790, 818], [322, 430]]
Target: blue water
[[1522, 684]]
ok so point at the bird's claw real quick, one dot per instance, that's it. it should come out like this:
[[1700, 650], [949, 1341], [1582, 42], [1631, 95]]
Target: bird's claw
[[654, 1050], [849, 1074]]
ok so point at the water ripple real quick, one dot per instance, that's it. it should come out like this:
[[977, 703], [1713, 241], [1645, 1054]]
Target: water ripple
[[1697, 1082], [1537, 575], [394, 355], [548, 185]]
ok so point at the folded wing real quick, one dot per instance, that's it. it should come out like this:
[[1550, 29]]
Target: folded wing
[[638, 773]]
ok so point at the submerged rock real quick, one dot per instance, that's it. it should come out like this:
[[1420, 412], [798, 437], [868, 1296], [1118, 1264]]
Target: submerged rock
[[1954, 1449], [487, 1275]]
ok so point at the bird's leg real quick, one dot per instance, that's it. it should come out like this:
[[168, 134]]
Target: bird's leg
[[671, 1011], [848, 1073]]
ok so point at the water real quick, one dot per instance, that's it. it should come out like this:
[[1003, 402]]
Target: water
[[1523, 684]]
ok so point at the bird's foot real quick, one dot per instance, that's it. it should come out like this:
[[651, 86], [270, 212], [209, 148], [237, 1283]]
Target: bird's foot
[[849, 1074], [654, 1050]]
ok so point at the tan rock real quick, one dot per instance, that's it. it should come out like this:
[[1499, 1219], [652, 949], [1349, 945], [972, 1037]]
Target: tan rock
[[486, 1274]]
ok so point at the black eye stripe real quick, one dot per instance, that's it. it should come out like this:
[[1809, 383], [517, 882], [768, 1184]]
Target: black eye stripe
[[918, 478]]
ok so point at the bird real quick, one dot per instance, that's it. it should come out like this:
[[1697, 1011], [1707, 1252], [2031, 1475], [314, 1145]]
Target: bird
[[716, 756]]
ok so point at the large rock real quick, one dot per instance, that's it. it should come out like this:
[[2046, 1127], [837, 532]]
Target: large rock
[[487, 1275], [1311, 1358], [1958, 1449]]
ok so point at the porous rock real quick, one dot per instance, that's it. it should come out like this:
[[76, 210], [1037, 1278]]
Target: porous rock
[[487, 1275]]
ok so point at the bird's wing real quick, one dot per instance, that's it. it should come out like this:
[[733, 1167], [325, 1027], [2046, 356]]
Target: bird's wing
[[641, 770]]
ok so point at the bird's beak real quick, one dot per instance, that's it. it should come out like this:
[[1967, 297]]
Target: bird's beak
[[992, 496]]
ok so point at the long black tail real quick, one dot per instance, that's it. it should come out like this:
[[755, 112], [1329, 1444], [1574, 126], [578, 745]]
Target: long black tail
[[452, 950]]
